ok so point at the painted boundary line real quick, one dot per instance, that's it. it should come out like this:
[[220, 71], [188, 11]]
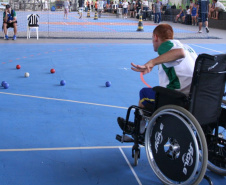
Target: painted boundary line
[[62, 148], [131, 168], [56, 99], [206, 48]]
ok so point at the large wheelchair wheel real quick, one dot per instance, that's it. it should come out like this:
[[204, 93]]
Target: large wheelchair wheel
[[176, 146]]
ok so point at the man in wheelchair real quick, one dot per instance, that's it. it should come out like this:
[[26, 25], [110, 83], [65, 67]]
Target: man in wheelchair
[[176, 64], [185, 115]]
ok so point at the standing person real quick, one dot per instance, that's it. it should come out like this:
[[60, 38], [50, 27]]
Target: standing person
[[70, 6], [92, 5], [194, 14], [45, 5], [88, 5], [9, 20], [145, 9], [191, 4], [138, 7], [96, 5], [80, 9], [132, 9], [175, 62], [66, 8], [203, 11], [125, 8], [157, 11], [219, 7], [100, 8]]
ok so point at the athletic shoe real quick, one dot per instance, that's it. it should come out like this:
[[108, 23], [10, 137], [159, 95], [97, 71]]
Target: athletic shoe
[[129, 127], [6, 37], [199, 31], [14, 37], [207, 30]]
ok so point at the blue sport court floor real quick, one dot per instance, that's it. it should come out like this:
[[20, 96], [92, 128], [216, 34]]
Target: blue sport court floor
[[65, 135]]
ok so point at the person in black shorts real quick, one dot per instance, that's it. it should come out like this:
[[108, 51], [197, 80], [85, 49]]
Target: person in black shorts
[[203, 11], [9, 21]]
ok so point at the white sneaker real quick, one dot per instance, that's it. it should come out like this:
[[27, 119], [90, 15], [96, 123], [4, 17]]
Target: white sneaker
[[199, 31]]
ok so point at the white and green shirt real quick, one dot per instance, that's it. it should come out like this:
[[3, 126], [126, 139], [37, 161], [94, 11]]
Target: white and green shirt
[[177, 74]]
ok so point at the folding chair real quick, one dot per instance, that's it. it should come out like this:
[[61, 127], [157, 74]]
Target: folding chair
[[32, 23]]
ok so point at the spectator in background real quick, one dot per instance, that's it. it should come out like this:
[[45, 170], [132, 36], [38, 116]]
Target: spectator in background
[[9, 21], [125, 8], [203, 12], [70, 6], [45, 5], [92, 5], [180, 15], [96, 5], [88, 5], [194, 14], [100, 8], [212, 11], [138, 7], [188, 16], [66, 8], [219, 7], [145, 9], [132, 9], [157, 11], [80, 9], [191, 4]]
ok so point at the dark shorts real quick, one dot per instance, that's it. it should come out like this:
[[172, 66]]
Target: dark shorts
[[147, 97], [203, 17], [125, 10], [10, 25]]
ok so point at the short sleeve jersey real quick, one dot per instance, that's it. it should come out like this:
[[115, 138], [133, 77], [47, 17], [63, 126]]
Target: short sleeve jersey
[[10, 16], [203, 6], [81, 3], [66, 4], [158, 7], [177, 74]]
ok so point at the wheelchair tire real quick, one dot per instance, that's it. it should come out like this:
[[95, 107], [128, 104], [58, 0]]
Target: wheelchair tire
[[216, 163], [185, 154]]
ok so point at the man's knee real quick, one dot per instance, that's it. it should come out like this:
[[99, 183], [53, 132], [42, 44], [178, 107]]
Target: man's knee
[[4, 25], [14, 25]]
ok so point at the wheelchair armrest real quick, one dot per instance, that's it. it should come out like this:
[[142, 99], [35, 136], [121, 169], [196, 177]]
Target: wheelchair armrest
[[166, 96]]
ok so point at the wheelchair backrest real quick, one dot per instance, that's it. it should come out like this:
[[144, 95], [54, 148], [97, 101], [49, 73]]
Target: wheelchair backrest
[[207, 88]]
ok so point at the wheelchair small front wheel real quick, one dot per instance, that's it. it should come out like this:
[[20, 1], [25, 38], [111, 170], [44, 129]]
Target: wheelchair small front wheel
[[176, 146], [136, 157]]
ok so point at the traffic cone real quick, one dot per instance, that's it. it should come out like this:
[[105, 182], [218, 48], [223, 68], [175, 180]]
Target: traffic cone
[[88, 13], [95, 16], [140, 24]]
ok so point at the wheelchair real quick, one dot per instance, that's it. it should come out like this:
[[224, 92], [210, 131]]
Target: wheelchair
[[184, 134]]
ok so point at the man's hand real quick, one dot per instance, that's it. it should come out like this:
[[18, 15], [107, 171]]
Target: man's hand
[[146, 68]]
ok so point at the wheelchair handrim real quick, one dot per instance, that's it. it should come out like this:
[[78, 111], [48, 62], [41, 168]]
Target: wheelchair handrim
[[157, 171]]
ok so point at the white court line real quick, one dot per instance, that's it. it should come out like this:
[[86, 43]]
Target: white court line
[[72, 101], [207, 48], [62, 148], [134, 173]]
